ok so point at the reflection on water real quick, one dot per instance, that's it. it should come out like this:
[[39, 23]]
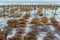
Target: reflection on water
[[41, 33]]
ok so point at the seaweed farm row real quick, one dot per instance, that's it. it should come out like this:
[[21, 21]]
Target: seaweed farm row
[[29, 22]]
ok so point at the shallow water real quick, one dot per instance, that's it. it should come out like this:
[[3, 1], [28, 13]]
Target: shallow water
[[3, 23]]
